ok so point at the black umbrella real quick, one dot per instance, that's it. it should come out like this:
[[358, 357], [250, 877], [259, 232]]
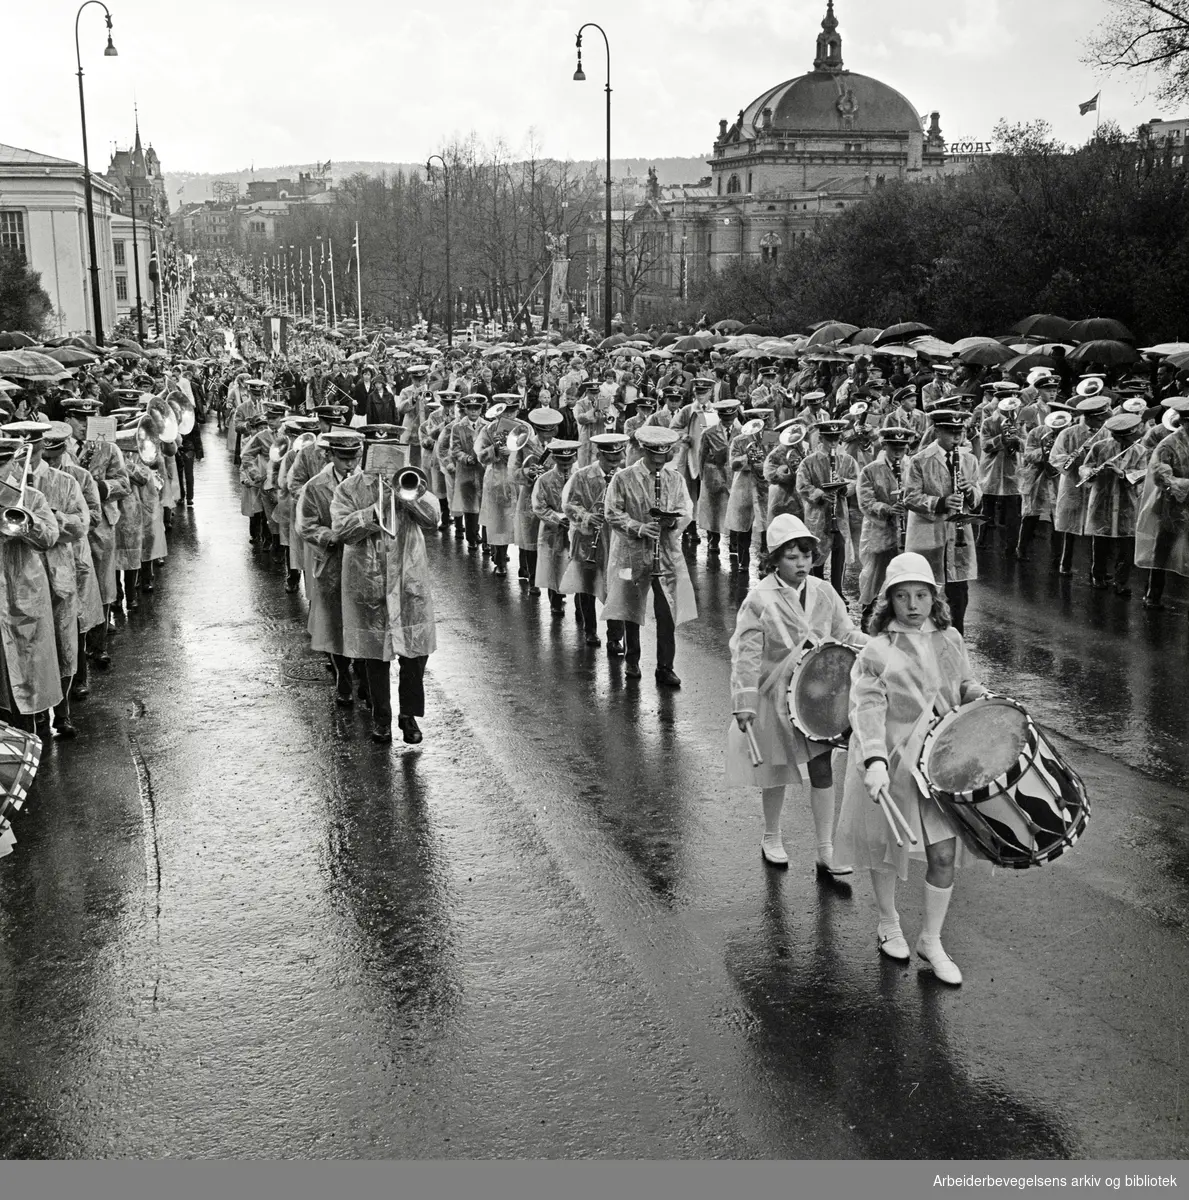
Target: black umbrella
[[1098, 329], [864, 337], [15, 340], [835, 331], [818, 325], [904, 332], [1108, 352], [763, 330], [1025, 362], [989, 354], [1047, 327]]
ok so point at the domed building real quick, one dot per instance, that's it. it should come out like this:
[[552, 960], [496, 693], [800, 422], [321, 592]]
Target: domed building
[[804, 149]]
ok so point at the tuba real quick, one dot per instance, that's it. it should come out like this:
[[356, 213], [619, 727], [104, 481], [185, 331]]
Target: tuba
[[165, 421], [148, 440], [17, 519]]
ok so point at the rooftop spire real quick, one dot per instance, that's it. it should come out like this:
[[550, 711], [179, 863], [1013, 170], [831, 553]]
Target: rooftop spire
[[829, 43]]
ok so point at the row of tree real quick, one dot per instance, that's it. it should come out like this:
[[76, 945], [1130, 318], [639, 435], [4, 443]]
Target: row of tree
[[1098, 231]]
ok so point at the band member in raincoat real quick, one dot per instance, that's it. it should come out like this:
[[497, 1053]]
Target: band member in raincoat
[[29, 678], [828, 482], [648, 507], [467, 496], [785, 610], [526, 465], [497, 511], [553, 532], [311, 521], [780, 471], [1113, 472], [438, 416], [1038, 480], [942, 482], [714, 472], [1162, 530], [881, 501], [914, 666], [747, 505], [387, 602], [105, 464], [590, 537], [1067, 455]]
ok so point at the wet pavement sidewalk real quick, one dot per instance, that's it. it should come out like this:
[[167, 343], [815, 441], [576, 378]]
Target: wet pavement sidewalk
[[233, 926]]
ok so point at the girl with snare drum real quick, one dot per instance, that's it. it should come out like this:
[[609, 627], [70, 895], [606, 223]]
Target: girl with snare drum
[[784, 612], [914, 668]]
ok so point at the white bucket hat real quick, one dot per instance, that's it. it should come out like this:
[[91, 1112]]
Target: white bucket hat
[[908, 568], [787, 528]]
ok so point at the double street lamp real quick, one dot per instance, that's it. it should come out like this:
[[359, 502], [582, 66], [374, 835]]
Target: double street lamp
[[446, 198], [580, 76], [109, 52]]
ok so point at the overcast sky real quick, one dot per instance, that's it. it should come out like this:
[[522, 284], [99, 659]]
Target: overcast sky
[[223, 84]]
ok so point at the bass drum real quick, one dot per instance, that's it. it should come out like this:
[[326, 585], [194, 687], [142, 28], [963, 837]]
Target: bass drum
[[819, 692], [1015, 800]]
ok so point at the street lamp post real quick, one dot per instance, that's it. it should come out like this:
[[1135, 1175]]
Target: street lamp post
[[446, 199], [109, 52], [580, 76]]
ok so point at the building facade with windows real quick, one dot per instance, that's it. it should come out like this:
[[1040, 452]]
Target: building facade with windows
[[803, 150], [138, 224], [43, 216]]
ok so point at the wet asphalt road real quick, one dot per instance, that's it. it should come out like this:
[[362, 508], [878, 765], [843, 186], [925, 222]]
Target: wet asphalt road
[[234, 927]]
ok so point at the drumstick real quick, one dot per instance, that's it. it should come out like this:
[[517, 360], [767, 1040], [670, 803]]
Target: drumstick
[[757, 759], [897, 815], [888, 817]]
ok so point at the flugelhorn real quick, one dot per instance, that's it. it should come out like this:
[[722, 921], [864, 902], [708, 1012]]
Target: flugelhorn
[[17, 519], [409, 480]]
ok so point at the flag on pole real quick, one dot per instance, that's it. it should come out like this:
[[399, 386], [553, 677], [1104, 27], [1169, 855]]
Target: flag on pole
[[1090, 105], [354, 253]]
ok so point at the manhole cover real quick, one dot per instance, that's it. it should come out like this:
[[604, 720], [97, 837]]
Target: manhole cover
[[306, 670]]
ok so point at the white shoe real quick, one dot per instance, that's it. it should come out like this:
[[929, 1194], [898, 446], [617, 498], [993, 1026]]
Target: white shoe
[[772, 848], [893, 946], [943, 966]]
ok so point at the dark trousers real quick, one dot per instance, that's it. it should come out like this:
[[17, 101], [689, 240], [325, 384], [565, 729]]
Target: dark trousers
[[666, 631], [1068, 545], [470, 523], [1160, 553], [444, 505], [837, 562], [410, 688], [1005, 511], [586, 611], [185, 464], [958, 596], [740, 545], [1116, 554]]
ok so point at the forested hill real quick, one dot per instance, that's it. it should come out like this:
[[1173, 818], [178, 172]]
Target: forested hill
[[184, 187]]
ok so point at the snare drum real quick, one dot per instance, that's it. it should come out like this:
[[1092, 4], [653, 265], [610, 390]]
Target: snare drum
[[1014, 798], [819, 692]]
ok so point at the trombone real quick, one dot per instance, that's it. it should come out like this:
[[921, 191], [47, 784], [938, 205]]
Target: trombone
[[17, 519]]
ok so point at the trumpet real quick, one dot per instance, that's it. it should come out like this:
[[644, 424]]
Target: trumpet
[[17, 519], [409, 481]]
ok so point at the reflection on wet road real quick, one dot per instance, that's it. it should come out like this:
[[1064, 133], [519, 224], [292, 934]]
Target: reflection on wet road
[[233, 926]]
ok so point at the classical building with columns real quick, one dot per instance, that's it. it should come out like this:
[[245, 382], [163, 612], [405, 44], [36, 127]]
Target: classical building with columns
[[803, 150]]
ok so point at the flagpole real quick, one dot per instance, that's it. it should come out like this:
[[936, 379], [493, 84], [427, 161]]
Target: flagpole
[[358, 283], [313, 291], [334, 304], [1097, 113]]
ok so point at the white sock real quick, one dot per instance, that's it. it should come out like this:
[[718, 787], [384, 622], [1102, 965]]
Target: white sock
[[773, 803], [883, 883], [821, 803], [937, 901]]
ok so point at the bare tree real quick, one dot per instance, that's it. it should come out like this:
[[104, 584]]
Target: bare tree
[[1146, 33]]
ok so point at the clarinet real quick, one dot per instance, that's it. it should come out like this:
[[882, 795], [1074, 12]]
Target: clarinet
[[656, 553], [960, 537]]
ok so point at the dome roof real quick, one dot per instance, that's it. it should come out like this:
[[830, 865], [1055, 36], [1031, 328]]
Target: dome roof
[[821, 101]]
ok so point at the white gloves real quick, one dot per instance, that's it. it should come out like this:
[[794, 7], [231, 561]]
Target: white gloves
[[876, 779]]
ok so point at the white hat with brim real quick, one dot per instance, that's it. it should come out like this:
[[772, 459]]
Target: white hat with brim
[[657, 437], [787, 528], [908, 568]]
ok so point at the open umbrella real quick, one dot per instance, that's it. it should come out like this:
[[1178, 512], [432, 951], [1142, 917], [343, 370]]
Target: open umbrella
[[1166, 348], [571, 348], [1099, 329], [966, 342], [71, 356], [905, 331], [895, 351], [667, 339], [1180, 361], [15, 340], [28, 364], [864, 337], [835, 331], [777, 350], [992, 354], [1107, 352], [693, 342], [1042, 325], [741, 341], [1025, 363], [728, 326], [616, 339], [762, 330], [933, 347], [822, 324]]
